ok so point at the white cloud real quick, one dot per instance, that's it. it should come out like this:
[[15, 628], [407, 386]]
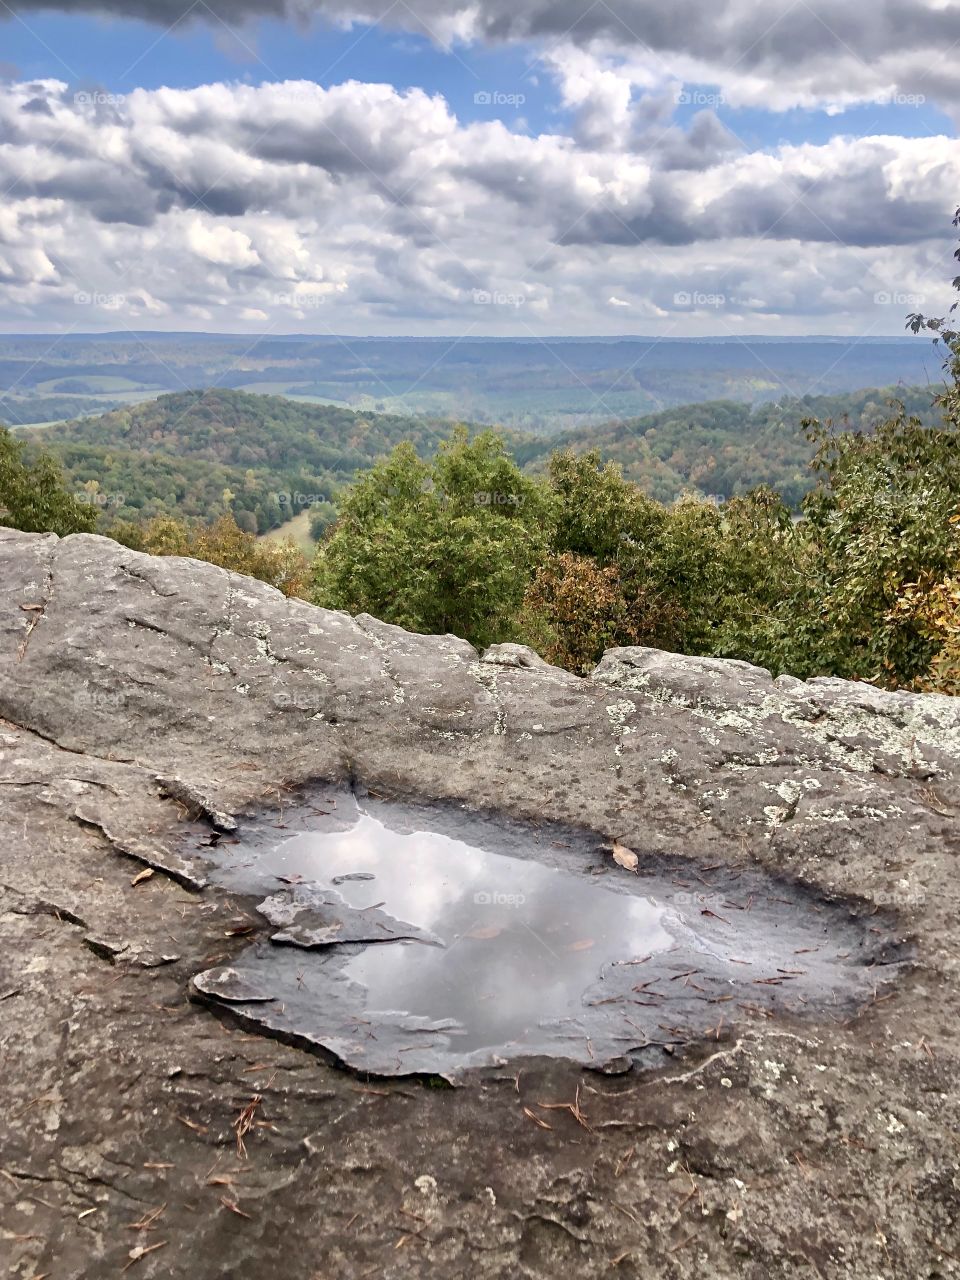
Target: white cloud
[[220, 244], [360, 208]]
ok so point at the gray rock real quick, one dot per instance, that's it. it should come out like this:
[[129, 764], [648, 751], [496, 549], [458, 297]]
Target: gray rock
[[815, 1147], [309, 918]]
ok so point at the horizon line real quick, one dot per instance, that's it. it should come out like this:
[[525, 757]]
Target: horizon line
[[853, 339]]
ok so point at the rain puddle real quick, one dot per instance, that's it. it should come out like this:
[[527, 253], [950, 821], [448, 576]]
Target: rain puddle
[[405, 939]]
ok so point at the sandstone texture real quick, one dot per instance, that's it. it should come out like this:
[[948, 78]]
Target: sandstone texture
[[142, 699]]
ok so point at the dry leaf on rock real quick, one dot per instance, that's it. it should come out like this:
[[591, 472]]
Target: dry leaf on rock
[[625, 857]]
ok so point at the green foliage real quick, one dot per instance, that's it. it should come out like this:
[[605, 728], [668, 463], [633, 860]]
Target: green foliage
[[32, 494], [437, 547], [881, 518], [639, 555], [322, 516]]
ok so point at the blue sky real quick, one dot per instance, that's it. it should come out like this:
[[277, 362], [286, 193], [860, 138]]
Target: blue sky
[[122, 54], [783, 168]]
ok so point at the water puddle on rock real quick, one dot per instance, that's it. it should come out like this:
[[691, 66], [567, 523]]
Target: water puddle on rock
[[403, 939]]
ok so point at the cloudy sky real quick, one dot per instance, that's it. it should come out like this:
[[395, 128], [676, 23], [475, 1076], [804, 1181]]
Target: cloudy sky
[[523, 167]]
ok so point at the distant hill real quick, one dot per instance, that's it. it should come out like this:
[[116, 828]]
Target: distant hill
[[721, 448], [183, 454], [198, 454]]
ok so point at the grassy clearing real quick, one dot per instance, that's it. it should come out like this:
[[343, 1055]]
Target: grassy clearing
[[298, 529]]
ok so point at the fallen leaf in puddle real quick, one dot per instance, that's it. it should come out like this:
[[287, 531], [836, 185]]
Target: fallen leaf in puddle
[[625, 857], [296, 878], [583, 945], [487, 931]]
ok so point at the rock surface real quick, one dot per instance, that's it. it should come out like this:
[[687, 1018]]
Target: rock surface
[[141, 697]]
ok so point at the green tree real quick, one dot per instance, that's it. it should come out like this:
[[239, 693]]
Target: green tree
[[764, 575], [437, 547], [33, 496], [322, 516], [882, 519], [624, 568]]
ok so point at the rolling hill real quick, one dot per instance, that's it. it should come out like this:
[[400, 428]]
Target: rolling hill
[[199, 453], [266, 459]]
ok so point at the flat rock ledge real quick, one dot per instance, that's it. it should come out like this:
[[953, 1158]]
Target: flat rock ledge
[[143, 697]]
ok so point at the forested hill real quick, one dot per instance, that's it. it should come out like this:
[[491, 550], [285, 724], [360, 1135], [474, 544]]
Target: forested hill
[[241, 429], [723, 448], [201, 454]]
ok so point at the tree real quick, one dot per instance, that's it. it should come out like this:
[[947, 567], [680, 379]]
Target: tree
[[765, 570], [33, 497], [882, 519], [574, 610], [322, 516], [933, 611], [624, 568], [441, 546]]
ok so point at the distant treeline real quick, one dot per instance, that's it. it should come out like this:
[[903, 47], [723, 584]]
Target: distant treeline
[[21, 412]]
